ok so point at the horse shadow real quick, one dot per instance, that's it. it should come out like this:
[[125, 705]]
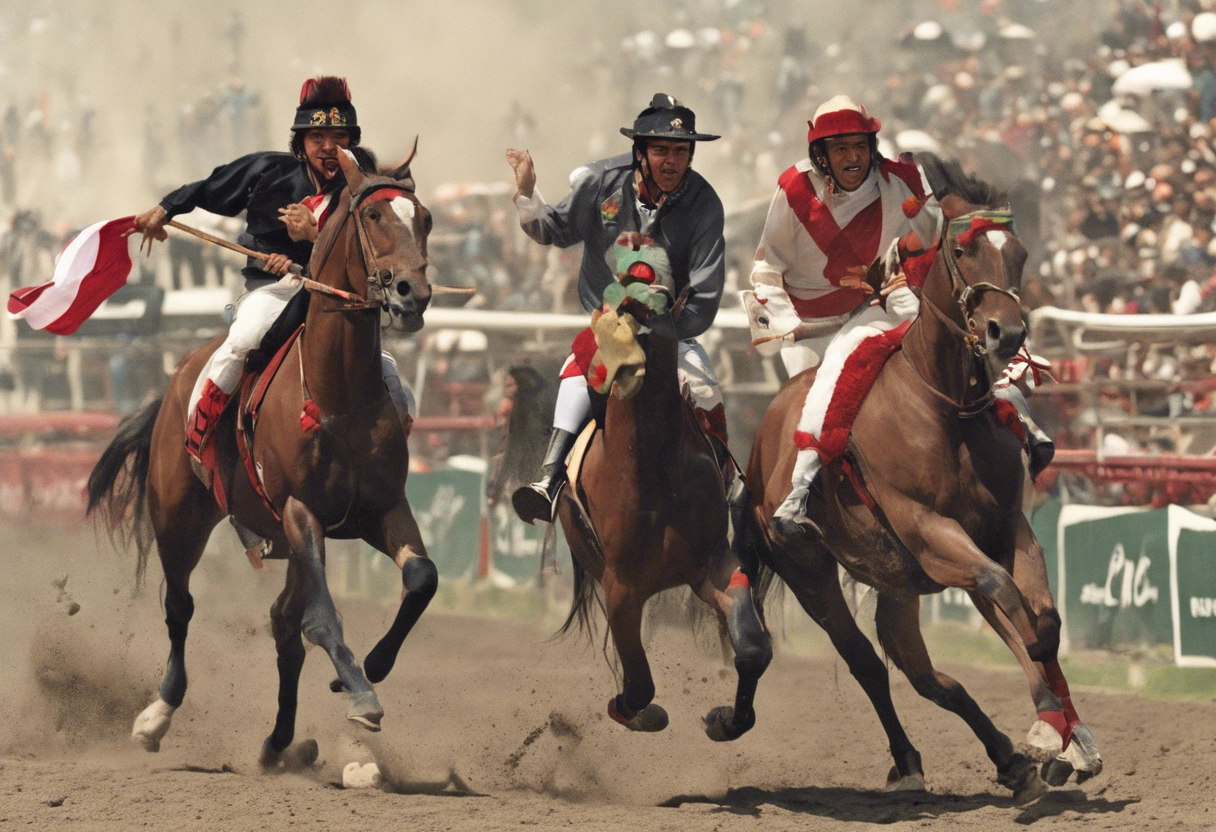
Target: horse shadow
[[861, 806]]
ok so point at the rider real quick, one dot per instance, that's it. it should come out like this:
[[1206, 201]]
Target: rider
[[834, 213], [286, 197], [652, 191]]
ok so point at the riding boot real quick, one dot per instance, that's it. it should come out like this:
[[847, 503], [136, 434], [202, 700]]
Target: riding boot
[[790, 519], [1039, 446], [739, 503], [210, 405], [256, 546], [538, 500]]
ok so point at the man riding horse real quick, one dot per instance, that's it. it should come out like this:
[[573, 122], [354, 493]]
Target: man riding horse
[[652, 192], [833, 215], [286, 198]]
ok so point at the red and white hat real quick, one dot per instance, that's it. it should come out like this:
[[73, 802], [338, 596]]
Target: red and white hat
[[840, 116]]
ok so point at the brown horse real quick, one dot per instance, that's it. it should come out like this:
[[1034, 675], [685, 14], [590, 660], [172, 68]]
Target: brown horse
[[343, 479], [946, 481], [656, 518]]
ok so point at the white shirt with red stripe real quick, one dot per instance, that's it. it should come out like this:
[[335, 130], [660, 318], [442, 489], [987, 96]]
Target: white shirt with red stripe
[[812, 238]]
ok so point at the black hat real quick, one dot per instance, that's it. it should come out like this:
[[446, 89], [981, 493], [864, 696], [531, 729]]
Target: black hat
[[667, 118], [325, 104]]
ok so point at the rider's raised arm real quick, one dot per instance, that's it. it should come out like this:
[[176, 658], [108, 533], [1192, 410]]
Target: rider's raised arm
[[566, 223], [225, 191]]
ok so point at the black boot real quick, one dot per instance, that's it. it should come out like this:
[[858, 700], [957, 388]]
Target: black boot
[[538, 500], [1039, 446], [739, 503]]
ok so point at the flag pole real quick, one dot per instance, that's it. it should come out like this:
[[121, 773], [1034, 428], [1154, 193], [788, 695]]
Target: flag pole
[[295, 268]]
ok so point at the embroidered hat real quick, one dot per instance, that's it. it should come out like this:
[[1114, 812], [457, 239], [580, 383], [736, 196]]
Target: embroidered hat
[[667, 118], [840, 116], [325, 104]]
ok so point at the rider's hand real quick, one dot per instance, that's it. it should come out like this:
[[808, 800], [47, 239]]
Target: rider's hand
[[301, 223], [151, 224], [855, 279], [525, 172], [902, 303], [277, 264]]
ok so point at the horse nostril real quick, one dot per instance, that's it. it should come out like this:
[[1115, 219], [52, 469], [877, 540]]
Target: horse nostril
[[994, 331], [403, 288]]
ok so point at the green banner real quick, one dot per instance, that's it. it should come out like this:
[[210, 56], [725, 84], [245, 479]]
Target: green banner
[[1117, 579], [1194, 558], [1046, 526]]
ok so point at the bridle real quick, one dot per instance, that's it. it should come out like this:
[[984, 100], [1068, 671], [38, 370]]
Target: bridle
[[378, 280], [961, 231]]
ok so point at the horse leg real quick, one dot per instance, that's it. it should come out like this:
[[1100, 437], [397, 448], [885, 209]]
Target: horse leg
[[753, 652], [1059, 730], [402, 541], [180, 546], [814, 583], [634, 707], [286, 620], [898, 621], [320, 622]]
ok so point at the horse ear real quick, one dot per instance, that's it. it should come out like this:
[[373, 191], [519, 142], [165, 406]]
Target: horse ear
[[954, 206], [350, 168], [401, 172]]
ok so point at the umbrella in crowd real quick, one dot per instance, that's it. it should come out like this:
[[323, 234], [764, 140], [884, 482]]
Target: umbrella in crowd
[[1170, 74]]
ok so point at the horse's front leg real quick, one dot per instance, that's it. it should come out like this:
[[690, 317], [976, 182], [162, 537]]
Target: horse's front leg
[[753, 652], [634, 707], [286, 617], [401, 540], [1077, 749], [320, 622]]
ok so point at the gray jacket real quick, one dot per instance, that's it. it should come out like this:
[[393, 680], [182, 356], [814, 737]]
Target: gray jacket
[[602, 205]]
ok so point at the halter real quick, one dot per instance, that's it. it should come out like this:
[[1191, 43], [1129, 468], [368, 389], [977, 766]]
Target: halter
[[961, 231], [378, 280]]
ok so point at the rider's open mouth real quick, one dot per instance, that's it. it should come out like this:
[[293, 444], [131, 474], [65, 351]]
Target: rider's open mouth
[[330, 165]]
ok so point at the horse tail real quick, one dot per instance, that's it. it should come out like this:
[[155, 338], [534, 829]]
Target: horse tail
[[118, 484], [582, 602]]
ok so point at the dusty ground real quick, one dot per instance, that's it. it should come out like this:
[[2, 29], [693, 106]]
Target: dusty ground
[[518, 718]]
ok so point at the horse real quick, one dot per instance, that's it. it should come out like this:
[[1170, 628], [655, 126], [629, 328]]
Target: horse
[[332, 454], [655, 519], [928, 495]]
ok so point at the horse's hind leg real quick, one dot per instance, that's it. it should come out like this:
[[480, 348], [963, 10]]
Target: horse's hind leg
[[898, 621], [319, 621], [813, 580], [634, 707], [753, 652], [180, 546], [286, 621], [402, 541]]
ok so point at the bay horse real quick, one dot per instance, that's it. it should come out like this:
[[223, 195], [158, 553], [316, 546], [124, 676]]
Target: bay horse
[[655, 519], [929, 495], [340, 475]]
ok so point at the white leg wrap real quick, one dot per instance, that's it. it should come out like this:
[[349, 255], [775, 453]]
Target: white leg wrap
[[573, 405], [152, 724], [806, 467]]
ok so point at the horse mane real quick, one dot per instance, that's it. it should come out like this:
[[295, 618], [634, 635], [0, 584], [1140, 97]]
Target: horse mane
[[946, 177]]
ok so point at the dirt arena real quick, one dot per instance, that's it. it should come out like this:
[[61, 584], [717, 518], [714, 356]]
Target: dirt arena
[[518, 719]]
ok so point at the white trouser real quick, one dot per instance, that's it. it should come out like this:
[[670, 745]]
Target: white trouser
[[255, 312], [696, 377], [869, 322]]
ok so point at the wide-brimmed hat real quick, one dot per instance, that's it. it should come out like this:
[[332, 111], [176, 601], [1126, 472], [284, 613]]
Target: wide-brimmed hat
[[325, 104], [840, 116], [667, 118]]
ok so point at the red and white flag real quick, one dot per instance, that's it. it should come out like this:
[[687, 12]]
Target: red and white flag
[[91, 267]]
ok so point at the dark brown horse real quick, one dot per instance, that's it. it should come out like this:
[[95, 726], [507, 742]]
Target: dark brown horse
[[656, 518], [947, 481], [345, 479]]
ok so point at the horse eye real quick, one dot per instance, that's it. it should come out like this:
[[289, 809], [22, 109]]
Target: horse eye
[[374, 216], [958, 252], [428, 222]]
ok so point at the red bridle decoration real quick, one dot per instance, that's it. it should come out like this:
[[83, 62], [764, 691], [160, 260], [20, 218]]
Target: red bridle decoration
[[978, 226]]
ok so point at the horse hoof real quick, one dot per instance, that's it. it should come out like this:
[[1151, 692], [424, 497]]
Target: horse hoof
[[365, 709], [1057, 771], [1081, 755], [650, 719], [1021, 775], [721, 725], [152, 724], [904, 783]]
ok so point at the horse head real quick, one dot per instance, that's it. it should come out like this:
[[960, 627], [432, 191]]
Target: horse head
[[391, 225], [644, 288]]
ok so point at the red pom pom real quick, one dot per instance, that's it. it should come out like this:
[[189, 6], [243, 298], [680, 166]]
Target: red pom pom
[[641, 271], [310, 417], [912, 206]]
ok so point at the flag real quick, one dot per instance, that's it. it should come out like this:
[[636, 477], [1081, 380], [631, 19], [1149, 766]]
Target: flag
[[91, 267]]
